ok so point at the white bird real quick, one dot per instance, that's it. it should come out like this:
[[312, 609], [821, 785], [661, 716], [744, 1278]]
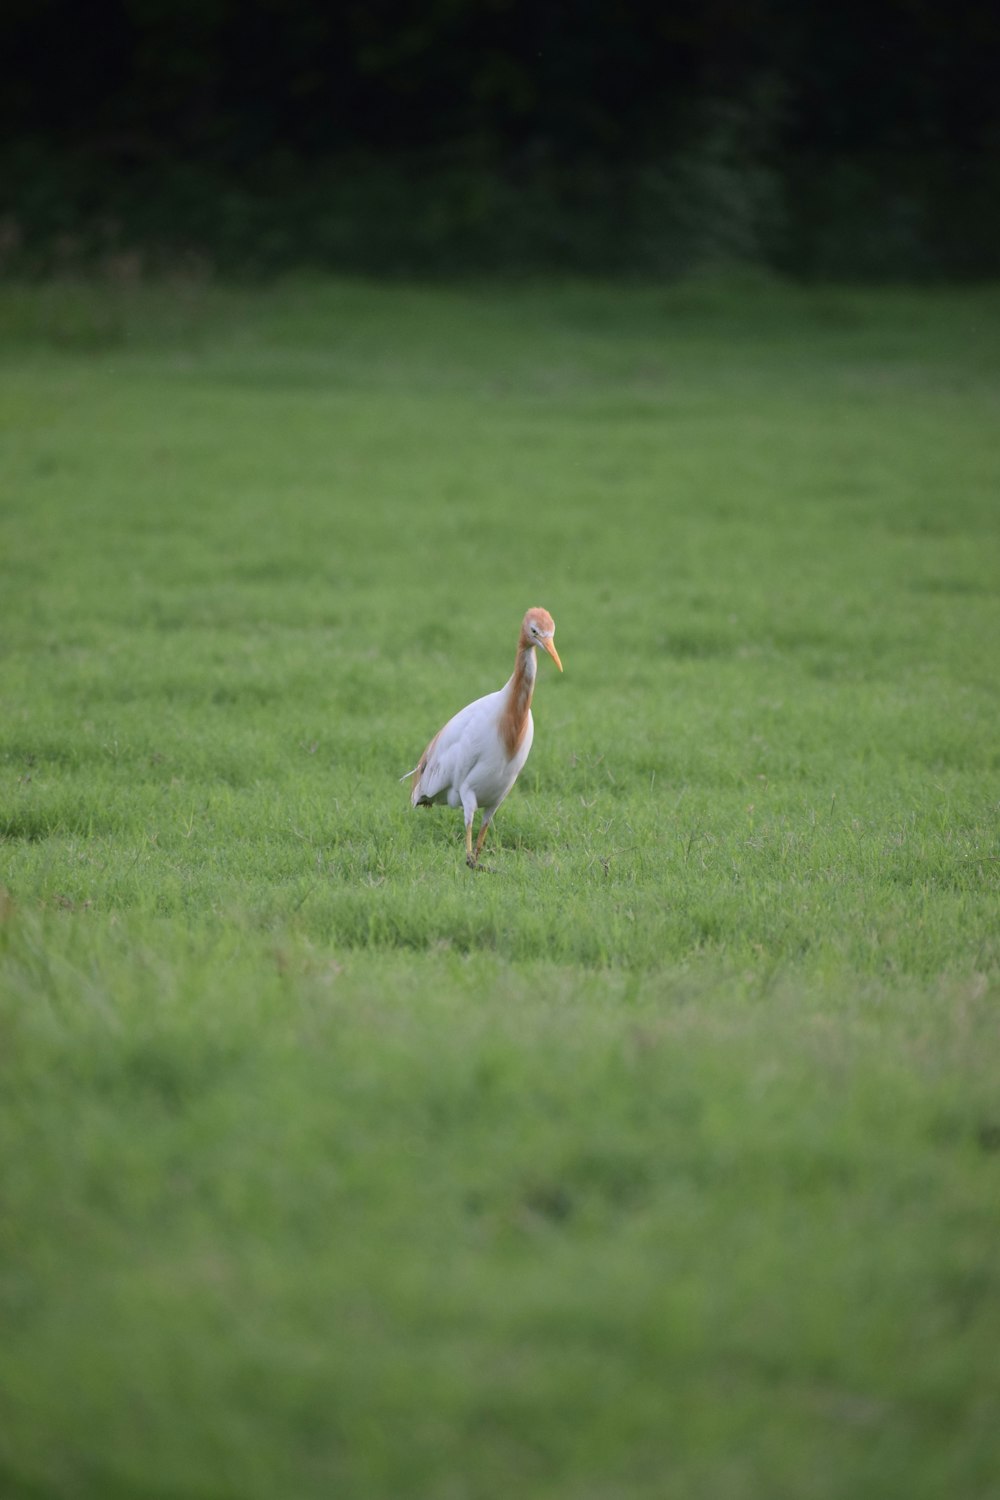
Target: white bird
[[475, 759]]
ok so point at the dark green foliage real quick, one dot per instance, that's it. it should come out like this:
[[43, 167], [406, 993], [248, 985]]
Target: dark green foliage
[[829, 139]]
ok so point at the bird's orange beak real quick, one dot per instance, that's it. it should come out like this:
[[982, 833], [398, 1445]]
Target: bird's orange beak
[[550, 647]]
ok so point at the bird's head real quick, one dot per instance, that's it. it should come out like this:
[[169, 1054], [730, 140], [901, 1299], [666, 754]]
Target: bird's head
[[538, 630]]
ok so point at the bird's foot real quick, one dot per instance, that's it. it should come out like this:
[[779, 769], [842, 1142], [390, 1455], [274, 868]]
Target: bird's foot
[[470, 860]]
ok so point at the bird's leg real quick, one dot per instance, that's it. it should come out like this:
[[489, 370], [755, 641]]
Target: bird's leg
[[469, 808], [481, 839]]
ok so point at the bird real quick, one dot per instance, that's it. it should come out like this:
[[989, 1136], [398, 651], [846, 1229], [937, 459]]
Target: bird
[[474, 760]]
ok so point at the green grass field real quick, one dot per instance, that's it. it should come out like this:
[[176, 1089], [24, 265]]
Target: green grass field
[[662, 1157]]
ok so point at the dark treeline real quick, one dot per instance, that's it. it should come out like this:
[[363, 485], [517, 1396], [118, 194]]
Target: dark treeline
[[841, 138]]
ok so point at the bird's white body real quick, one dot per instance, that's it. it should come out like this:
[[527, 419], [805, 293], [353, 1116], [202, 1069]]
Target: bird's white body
[[475, 759], [468, 761]]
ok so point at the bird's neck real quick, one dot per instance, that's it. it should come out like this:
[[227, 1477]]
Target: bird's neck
[[517, 703]]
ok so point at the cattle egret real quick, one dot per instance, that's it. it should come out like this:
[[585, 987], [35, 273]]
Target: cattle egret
[[475, 759]]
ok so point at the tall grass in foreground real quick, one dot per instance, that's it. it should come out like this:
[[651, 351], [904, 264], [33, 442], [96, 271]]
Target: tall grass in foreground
[[658, 1159]]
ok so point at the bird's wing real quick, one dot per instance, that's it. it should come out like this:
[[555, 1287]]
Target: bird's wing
[[455, 748]]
